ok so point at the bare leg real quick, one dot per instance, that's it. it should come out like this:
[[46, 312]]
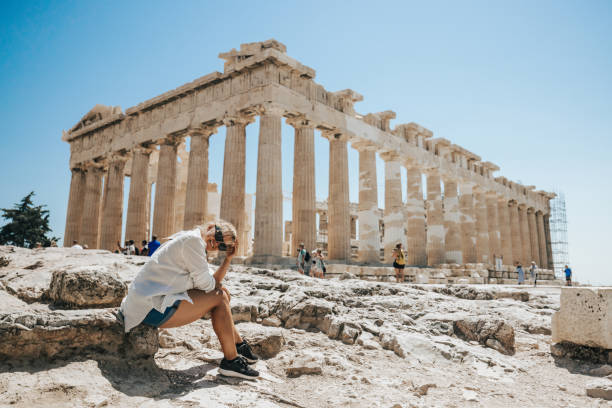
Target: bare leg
[[215, 302]]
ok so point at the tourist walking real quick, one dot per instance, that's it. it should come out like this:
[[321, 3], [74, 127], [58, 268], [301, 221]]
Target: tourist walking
[[521, 273], [568, 276], [533, 271], [177, 288], [153, 245], [301, 255], [144, 250], [399, 262], [319, 264]]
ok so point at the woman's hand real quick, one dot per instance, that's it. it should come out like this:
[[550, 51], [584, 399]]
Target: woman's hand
[[231, 250]]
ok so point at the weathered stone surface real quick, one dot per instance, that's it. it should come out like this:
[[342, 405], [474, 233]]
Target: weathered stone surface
[[305, 364], [86, 287], [36, 334], [584, 317], [266, 342], [493, 333], [600, 389]]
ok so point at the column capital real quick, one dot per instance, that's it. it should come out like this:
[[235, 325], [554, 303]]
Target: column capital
[[363, 145], [522, 206], [120, 156], [203, 130], [300, 122], [388, 155], [512, 203], [432, 171], [237, 119], [142, 149], [334, 134], [531, 210], [270, 108], [170, 140]]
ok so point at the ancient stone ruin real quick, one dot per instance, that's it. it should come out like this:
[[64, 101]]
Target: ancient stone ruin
[[475, 218]]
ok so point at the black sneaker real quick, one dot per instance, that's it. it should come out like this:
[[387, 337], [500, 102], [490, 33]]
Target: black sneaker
[[237, 367], [245, 351]]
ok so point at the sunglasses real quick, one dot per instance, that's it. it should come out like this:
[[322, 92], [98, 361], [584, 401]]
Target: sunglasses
[[222, 246]]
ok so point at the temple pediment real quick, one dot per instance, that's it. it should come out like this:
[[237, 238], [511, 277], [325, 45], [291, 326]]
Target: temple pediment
[[97, 113]]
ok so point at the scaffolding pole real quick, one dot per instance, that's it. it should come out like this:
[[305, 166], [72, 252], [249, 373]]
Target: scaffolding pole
[[558, 233]]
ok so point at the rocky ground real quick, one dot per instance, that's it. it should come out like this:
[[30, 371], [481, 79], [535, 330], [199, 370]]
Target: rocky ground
[[338, 342]]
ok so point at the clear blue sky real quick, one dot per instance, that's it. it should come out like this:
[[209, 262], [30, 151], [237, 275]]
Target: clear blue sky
[[526, 85]]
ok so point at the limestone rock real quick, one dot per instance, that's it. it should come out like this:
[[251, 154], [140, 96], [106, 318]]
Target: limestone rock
[[86, 287], [244, 310], [272, 321], [266, 342], [600, 389], [36, 334], [306, 364], [494, 333]]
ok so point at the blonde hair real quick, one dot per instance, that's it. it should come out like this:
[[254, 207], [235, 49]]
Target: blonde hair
[[226, 228]]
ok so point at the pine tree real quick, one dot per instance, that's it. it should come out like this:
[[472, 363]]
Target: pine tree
[[28, 224]]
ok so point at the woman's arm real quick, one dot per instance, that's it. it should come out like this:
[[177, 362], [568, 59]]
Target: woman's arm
[[222, 270]]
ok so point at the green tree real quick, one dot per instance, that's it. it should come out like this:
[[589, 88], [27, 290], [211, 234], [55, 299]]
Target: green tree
[[27, 224]]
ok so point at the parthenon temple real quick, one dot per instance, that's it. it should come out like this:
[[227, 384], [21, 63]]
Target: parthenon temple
[[468, 215]]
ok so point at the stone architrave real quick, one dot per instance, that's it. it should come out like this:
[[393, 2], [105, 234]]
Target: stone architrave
[[493, 224], [468, 223], [416, 239], [503, 214], [394, 212], [232, 206], [515, 231], [369, 234], [304, 226], [112, 205], [338, 231], [75, 207], [524, 229], [165, 190], [482, 227], [436, 253], [452, 223], [139, 196], [534, 251], [196, 199], [91, 207], [541, 240], [269, 193]]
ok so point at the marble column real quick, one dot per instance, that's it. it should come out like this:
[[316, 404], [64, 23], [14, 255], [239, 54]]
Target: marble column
[[112, 205], [549, 255], [91, 207], [515, 231], [180, 197], [338, 232], [269, 193], [534, 253], [436, 252], [482, 227], [139, 196], [541, 240], [415, 213], [468, 223], [493, 224], [165, 190], [503, 216], [232, 206], [369, 240], [524, 229], [304, 201], [75, 207], [394, 212], [196, 199], [452, 223]]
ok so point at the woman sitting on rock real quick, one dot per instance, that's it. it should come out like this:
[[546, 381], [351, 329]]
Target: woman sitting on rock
[[175, 287]]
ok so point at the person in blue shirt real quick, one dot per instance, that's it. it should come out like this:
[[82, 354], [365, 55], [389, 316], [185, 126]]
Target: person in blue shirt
[[153, 245], [568, 276]]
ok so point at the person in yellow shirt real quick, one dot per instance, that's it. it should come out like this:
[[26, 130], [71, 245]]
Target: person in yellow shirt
[[399, 262]]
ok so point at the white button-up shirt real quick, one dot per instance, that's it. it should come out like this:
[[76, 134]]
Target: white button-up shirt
[[177, 266]]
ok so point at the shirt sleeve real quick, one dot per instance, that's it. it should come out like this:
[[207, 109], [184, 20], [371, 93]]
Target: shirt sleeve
[[194, 255]]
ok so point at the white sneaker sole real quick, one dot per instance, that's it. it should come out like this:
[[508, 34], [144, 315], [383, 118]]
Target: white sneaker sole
[[230, 373]]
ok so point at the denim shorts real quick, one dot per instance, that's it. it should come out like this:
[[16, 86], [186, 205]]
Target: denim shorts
[[156, 319]]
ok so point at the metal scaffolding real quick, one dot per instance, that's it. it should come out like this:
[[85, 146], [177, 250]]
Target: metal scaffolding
[[558, 233]]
